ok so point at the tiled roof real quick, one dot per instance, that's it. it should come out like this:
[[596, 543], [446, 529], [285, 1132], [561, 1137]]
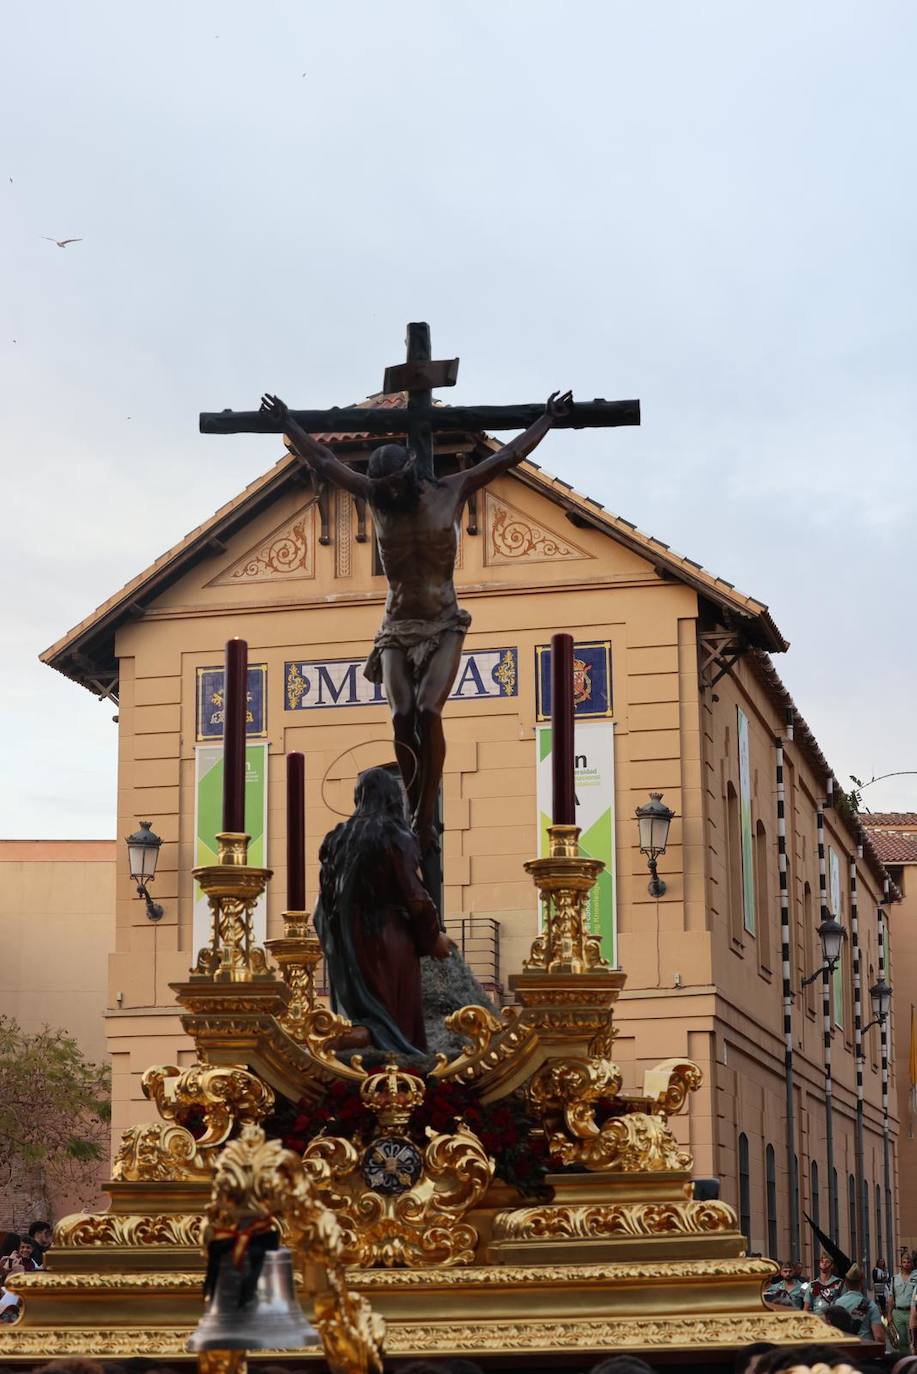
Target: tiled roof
[[893, 847], [894, 834], [393, 400]]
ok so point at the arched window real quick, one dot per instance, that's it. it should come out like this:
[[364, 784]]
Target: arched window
[[866, 1222], [852, 1218], [762, 895], [795, 1240], [816, 1205], [770, 1176], [834, 1207], [744, 1190], [879, 1254]]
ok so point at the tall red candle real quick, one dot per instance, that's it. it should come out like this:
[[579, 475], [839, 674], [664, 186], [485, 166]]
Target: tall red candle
[[296, 832], [235, 694], [563, 792]]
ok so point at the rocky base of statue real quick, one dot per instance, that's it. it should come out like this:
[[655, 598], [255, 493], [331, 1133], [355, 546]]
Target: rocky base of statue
[[448, 985]]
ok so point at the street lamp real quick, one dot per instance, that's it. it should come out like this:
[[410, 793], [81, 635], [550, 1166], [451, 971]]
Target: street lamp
[[832, 935], [143, 856], [653, 821], [880, 994]]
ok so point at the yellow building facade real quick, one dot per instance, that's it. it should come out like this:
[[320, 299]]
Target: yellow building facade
[[679, 684]]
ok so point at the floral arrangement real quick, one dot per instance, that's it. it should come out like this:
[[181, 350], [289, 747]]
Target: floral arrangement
[[506, 1128]]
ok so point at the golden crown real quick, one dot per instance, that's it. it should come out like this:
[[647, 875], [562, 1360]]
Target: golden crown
[[392, 1095]]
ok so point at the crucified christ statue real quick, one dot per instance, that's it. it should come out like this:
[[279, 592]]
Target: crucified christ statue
[[419, 643]]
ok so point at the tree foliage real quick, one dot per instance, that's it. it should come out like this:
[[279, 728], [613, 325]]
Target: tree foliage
[[55, 1105]]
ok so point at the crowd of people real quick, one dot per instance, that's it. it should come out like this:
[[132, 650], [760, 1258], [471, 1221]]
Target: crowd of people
[[20, 1255], [888, 1318]]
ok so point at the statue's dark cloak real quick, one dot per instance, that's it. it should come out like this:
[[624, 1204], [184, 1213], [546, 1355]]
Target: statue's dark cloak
[[375, 918]]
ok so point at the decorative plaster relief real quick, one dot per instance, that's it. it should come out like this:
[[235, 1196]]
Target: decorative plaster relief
[[287, 552], [512, 537]]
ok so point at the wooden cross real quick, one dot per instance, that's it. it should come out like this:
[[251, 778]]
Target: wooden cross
[[418, 375]]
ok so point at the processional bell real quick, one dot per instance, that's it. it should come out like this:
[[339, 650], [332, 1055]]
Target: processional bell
[[271, 1319]]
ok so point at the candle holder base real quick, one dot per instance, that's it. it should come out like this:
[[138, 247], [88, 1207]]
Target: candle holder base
[[298, 953], [232, 889], [564, 880]]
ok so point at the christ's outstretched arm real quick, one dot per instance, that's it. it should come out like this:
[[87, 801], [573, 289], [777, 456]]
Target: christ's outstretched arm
[[473, 479], [319, 458]]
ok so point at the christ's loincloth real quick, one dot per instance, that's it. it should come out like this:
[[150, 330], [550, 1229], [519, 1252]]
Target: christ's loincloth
[[417, 639]]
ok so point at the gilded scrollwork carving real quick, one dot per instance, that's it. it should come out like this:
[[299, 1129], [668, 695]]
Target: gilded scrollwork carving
[[566, 1095], [157, 1151], [493, 1042], [320, 1031], [85, 1229], [632, 1219], [636, 1143], [667, 1085], [221, 1096]]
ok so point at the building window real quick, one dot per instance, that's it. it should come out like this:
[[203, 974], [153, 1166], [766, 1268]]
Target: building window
[[809, 941], [770, 1175], [879, 1254], [744, 1190], [852, 1209], [746, 843], [865, 1223], [795, 1240], [816, 1207], [762, 896], [734, 862]]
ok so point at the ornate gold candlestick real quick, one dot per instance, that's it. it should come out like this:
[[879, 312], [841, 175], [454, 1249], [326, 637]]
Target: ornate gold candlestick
[[564, 880], [298, 953], [232, 889]]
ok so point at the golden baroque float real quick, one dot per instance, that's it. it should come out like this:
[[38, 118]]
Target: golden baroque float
[[615, 1252]]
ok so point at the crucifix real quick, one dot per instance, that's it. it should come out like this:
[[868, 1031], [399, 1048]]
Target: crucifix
[[417, 650]]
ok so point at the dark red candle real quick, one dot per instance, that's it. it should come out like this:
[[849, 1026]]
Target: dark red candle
[[563, 792], [235, 695], [296, 832]]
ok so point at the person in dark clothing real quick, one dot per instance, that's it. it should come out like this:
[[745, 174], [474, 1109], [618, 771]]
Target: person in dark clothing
[[40, 1235], [375, 918]]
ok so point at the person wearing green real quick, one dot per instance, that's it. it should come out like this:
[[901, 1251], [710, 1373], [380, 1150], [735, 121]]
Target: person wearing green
[[861, 1307], [901, 1301], [786, 1290]]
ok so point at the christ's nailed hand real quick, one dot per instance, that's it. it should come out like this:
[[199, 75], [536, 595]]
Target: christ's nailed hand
[[559, 404], [274, 407]]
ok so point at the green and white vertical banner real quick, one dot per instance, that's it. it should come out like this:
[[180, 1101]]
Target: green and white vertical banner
[[594, 767], [748, 859], [208, 822]]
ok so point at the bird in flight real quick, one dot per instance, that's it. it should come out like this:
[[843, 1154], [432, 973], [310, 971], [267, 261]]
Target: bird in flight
[[61, 243]]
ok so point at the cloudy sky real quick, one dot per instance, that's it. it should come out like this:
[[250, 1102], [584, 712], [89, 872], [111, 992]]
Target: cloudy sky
[[709, 206]]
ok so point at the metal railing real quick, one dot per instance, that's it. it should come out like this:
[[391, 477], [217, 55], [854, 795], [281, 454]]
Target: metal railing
[[478, 941]]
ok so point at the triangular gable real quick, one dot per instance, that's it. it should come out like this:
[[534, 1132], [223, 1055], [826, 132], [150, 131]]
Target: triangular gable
[[511, 536], [288, 552]]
